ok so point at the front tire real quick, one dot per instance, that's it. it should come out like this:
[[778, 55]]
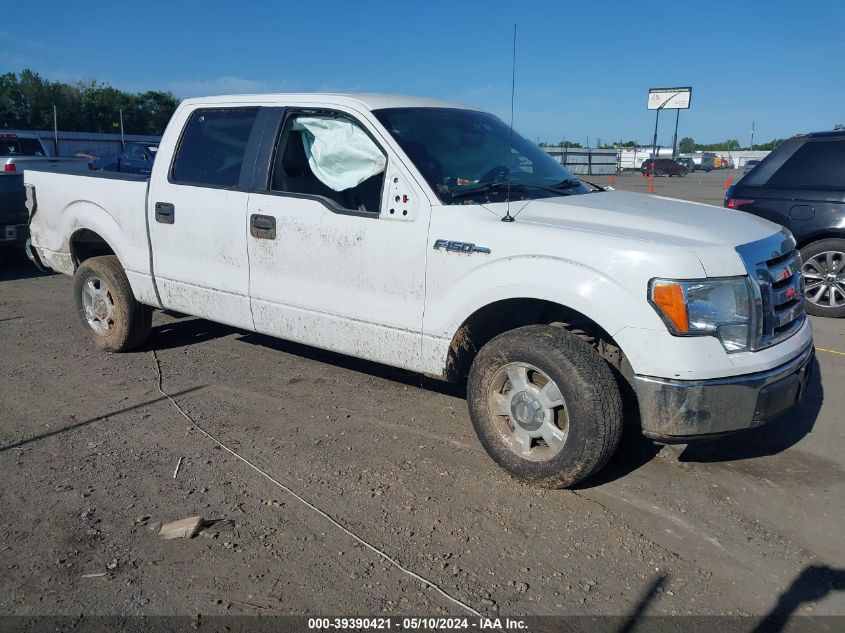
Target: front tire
[[544, 405], [108, 311], [824, 277]]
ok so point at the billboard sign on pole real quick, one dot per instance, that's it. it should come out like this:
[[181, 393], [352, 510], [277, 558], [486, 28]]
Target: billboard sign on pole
[[669, 98]]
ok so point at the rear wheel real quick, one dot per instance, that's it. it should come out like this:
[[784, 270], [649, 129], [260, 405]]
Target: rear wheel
[[824, 277], [545, 405], [107, 308], [658, 172]]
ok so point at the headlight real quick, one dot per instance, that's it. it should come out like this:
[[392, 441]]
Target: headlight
[[706, 307]]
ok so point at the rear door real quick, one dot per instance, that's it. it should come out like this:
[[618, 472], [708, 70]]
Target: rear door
[[337, 243], [197, 214]]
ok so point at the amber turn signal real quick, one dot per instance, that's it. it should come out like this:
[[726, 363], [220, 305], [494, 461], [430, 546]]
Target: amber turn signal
[[669, 297]]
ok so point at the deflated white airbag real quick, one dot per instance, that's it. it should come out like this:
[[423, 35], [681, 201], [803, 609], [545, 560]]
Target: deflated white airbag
[[340, 153]]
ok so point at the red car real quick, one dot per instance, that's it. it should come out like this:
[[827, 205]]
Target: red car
[[663, 167]]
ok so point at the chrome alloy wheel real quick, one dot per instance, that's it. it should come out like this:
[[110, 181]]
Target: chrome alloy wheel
[[824, 277], [98, 305], [532, 414]]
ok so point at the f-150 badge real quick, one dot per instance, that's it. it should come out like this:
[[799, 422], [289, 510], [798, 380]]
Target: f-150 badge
[[460, 247]]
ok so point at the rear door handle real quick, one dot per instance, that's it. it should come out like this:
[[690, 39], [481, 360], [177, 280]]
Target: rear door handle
[[165, 213], [262, 227]]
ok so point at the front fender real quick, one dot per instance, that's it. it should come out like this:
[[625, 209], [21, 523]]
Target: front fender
[[610, 304]]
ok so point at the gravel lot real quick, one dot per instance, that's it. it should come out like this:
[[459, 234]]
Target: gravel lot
[[89, 445]]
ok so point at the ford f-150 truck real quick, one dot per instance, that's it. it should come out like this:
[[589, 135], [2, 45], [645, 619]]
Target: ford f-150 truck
[[424, 235]]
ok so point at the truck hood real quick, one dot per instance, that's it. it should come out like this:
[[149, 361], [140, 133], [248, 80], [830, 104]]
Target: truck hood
[[711, 233]]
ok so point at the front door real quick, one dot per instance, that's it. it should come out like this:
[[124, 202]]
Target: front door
[[198, 217], [337, 243]]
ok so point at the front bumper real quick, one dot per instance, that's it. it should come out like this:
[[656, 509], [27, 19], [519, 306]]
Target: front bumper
[[678, 411]]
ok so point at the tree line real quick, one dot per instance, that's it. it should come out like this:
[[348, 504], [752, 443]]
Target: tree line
[[686, 146], [27, 100]]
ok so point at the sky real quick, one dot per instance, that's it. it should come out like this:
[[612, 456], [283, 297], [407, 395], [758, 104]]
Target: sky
[[583, 69]]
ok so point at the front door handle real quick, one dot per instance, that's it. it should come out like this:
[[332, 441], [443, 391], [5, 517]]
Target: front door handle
[[262, 227], [165, 213]]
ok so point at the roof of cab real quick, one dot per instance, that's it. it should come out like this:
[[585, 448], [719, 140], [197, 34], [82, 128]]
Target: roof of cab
[[370, 101]]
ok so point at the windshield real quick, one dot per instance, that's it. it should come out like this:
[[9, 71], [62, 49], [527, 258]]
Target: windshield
[[464, 156], [20, 147]]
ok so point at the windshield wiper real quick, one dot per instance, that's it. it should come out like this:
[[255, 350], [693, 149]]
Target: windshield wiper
[[488, 186], [595, 186], [502, 186], [571, 183]]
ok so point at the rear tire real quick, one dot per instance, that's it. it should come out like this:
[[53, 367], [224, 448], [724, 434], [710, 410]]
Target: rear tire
[[108, 311], [580, 413], [824, 277]]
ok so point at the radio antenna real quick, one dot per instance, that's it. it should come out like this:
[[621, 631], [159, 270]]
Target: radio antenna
[[508, 217]]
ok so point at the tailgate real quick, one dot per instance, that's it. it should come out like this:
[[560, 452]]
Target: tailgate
[[12, 199]]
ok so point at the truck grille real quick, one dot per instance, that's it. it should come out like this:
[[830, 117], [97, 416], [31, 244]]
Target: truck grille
[[782, 298]]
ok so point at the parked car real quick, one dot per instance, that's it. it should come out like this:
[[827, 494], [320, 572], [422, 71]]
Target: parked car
[[663, 167], [136, 158], [750, 164], [388, 228], [19, 151], [686, 163], [801, 185]]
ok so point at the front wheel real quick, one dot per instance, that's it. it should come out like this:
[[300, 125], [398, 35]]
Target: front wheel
[[107, 308], [544, 405], [824, 277]]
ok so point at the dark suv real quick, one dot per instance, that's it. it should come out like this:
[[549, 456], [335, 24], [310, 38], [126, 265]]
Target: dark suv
[[801, 185], [663, 167]]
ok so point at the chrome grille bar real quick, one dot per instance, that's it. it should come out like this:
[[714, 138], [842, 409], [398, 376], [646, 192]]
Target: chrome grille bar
[[775, 269]]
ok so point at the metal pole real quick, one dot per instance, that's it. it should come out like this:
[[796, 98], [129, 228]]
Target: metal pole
[[55, 131], [752, 136], [654, 141], [122, 141], [675, 136]]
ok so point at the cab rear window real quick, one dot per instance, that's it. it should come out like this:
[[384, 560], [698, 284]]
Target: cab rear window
[[20, 147]]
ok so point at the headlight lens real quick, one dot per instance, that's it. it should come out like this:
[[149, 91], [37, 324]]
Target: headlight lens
[[706, 307]]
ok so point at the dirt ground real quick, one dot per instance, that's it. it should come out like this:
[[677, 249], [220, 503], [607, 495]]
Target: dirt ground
[[89, 446]]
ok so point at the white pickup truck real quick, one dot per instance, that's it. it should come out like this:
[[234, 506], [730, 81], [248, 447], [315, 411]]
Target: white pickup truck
[[420, 234]]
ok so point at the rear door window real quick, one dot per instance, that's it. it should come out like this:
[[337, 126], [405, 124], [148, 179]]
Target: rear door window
[[818, 163], [211, 152]]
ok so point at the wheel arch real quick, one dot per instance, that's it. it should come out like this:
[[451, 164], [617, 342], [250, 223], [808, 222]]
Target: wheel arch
[[817, 236], [92, 231], [502, 315], [85, 243]]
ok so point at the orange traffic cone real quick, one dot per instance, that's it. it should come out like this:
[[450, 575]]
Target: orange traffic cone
[[728, 181], [651, 184], [612, 179]]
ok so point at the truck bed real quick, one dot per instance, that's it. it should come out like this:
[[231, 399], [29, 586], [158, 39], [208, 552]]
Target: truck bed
[[111, 206]]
